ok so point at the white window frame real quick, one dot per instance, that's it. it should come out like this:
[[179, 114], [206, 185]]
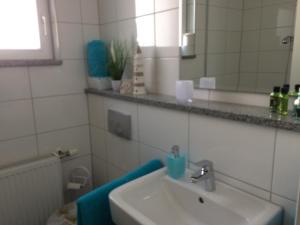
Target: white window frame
[[46, 26]]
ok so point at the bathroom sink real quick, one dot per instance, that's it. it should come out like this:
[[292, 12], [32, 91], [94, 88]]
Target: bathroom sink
[[157, 199]]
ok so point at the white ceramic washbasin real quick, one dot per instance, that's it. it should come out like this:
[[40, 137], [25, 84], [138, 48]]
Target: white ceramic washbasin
[[156, 199]]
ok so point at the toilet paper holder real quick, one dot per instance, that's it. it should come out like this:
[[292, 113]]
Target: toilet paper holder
[[79, 178]]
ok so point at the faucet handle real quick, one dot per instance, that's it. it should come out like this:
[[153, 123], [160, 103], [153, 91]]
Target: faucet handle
[[206, 164]]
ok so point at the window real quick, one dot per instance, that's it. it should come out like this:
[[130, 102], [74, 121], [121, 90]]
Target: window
[[25, 30]]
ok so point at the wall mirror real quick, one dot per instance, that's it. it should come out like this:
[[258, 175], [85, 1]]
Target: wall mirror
[[246, 45]]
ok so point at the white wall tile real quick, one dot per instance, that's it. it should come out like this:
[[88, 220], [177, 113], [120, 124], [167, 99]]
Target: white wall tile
[[193, 68], [100, 173], [271, 38], [98, 141], [252, 3], [16, 119], [247, 81], [278, 15], [153, 122], [90, 33], [215, 64], [287, 167], [216, 42], [200, 17], [17, 150], [68, 11], [266, 81], [161, 5], [167, 33], [234, 20], [109, 31], [217, 18], [252, 19], [167, 72], [145, 30], [60, 112], [243, 186], [58, 80], [114, 172], [250, 41], [107, 11], [148, 153], [249, 62], [122, 153], [89, 11], [133, 8], [72, 138], [127, 108], [150, 75], [71, 40], [96, 111], [14, 84], [216, 140], [127, 32], [275, 61]]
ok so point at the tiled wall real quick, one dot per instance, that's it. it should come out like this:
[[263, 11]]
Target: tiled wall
[[264, 60], [223, 42], [261, 161], [42, 108], [244, 50], [155, 24]]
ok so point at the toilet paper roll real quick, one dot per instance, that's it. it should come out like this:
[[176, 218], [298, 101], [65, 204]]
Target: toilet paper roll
[[73, 186]]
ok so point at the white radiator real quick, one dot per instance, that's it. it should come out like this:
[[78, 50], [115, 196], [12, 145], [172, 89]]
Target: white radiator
[[31, 192]]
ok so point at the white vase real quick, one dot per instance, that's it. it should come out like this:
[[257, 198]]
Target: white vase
[[116, 84]]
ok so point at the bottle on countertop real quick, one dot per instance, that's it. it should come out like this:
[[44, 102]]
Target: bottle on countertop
[[293, 95], [297, 107], [176, 163], [274, 99], [284, 101]]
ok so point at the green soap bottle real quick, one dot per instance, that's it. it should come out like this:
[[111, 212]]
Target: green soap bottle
[[293, 97], [284, 102], [297, 107], [274, 99]]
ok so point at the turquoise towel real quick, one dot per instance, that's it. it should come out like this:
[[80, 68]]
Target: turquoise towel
[[97, 59], [93, 208]]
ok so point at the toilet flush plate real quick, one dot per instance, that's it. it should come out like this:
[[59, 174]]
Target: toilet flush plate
[[119, 124]]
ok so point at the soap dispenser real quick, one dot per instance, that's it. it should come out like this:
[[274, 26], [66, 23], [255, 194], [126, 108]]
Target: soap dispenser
[[176, 163]]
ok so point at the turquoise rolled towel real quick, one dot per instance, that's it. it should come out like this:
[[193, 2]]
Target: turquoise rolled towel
[[93, 208], [97, 59]]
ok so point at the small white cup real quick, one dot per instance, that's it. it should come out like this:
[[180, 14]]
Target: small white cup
[[184, 91]]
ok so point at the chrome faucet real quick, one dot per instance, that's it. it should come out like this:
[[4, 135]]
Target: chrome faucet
[[206, 174]]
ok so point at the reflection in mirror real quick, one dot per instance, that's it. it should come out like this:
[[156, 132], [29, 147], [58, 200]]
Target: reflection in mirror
[[246, 45]]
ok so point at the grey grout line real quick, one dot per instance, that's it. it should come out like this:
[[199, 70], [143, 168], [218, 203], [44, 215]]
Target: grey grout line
[[41, 133], [241, 46], [60, 95], [16, 100], [33, 112], [281, 196], [18, 137], [273, 160], [137, 17]]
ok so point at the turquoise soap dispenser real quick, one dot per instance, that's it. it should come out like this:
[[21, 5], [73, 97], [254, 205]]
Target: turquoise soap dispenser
[[176, 163]]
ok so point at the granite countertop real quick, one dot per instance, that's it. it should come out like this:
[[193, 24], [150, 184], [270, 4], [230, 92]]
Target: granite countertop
[[248, 114]]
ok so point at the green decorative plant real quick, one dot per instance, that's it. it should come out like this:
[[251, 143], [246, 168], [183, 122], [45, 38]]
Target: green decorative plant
[[118, 56]]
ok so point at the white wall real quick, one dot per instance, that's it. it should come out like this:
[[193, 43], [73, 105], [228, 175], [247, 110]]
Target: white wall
[[261, 161], [42, 108], [155, 24]]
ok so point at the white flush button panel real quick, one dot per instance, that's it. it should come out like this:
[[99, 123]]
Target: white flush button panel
[[207, 82], [119, 124]]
